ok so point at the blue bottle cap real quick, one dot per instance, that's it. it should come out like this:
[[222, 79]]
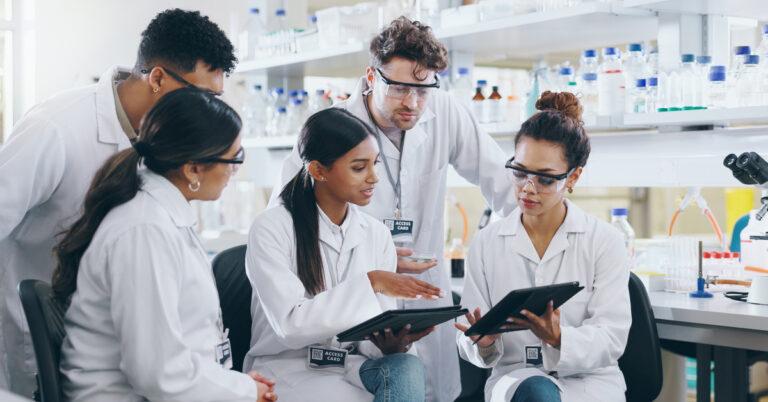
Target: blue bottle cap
[[294, 93], [279, 90], [653, 82], [635, 47], [280, 12], [752, 59], [313, 18], [253, 10], [463, 71], [482, 83], [304, 93], [717, 75], [742, 50], [719, 69], [589, 77], [609, 51], [687, 58], [704, 59], [640, 83], [320, 91], [297, 102], [281, 110], [257, 87], [590, 53], [566, 70], [765, 29], [619, 212]]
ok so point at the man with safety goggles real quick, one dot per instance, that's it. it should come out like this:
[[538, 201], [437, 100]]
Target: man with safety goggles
[[420, 131]]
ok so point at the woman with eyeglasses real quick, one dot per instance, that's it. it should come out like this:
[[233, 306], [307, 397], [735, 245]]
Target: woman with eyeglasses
[[143, 319], [571, 353]]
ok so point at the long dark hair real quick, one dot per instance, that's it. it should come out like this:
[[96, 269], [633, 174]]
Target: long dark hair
[[326, 136], [185, 125]]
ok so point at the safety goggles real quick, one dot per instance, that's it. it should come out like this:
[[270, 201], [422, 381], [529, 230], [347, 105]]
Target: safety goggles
[[400, 90], [178, 78], [544, 183], [235, 162]]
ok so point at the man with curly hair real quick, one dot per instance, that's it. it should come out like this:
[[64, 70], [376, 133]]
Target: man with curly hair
[[54, 151], [421, 131]]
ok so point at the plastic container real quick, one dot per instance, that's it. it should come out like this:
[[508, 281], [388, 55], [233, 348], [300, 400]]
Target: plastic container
[[653, 94], [690, 87], [717, 89], [703, 64], [462, 88], [589, 63], [619, 221], [611, 84], [495, 106], [456, 256], [566, 79], [749, 85], [249, 39], [255, 113], [478, 102], [589, 93], [640, 97]]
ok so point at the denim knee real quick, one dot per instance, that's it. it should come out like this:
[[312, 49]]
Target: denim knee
[[538, 389]]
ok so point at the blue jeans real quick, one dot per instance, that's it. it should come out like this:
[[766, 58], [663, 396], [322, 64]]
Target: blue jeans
[[537, 389], [395, 378]]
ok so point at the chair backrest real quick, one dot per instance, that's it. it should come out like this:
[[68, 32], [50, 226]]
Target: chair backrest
[[641, 362], [235, 299], [45, 317]]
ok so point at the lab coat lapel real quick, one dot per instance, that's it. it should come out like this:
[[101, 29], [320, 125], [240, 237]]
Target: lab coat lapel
[[109, 129], [357, 231], [574, 223], [516, 238]]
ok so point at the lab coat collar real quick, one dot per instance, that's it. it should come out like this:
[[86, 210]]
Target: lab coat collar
[[353, 228], [575, 222], [413, 137], [109, 129], [169, 196]]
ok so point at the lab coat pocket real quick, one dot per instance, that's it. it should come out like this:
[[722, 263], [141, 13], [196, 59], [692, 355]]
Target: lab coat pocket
[[574, 311]]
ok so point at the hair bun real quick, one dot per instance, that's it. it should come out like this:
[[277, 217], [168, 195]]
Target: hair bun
[[565, 102]]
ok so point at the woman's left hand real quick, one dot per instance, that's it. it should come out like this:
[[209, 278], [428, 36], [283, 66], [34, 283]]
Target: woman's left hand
[[546, 327]]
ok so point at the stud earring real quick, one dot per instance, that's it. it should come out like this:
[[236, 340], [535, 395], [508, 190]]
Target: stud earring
[[155, 90], [570, 190]]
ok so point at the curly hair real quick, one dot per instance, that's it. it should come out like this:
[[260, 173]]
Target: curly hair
[[410, 40], [180, 38], [559, 121]]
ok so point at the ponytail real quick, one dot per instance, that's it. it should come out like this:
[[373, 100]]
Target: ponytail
[[299, 199], [114, 184]]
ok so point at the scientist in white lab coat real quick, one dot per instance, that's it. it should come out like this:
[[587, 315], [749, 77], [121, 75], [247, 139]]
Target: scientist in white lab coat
[[54, 151], [420, 131], [569, 354], [319, 266], [144, 321]]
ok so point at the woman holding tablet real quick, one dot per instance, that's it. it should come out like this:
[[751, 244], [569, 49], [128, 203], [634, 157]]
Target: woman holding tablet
[[320, 266], [571, 353]]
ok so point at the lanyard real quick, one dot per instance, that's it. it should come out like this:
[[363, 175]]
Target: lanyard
[[396, 186]]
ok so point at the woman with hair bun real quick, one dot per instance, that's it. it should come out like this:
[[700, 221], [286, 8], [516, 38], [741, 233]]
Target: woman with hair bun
[[570, 353]]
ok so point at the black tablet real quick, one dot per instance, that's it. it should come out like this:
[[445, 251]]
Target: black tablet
[[420, 319], [533, 299]]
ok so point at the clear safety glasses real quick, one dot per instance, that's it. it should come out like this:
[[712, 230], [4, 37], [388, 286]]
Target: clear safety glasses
[[401, 90], [234, 163], [544, 183]]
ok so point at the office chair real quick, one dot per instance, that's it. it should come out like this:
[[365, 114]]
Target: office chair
[[45, 318], [641, 361], [235, 299]]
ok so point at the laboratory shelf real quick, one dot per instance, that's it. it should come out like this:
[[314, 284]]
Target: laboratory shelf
[[531, 36], [716, 117], [520, 37], [341, 61], [755, 9]]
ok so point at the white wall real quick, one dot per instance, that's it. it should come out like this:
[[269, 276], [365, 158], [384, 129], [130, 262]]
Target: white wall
[[77, 40]]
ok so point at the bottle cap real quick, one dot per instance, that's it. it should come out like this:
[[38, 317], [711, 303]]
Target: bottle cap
[[619, 212], [687, 58], [635, 47]]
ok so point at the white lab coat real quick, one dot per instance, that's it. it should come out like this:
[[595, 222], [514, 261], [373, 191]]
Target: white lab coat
[[144, 321], [287, 320], [594, 323], [446, 134], [46, 167]]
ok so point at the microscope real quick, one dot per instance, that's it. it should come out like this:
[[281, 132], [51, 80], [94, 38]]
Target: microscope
[[750, 168]]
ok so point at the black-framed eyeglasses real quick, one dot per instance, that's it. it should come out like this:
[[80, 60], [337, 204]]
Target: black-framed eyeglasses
[[400, 90], [176, 76], [239, 159], [542, 182]]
